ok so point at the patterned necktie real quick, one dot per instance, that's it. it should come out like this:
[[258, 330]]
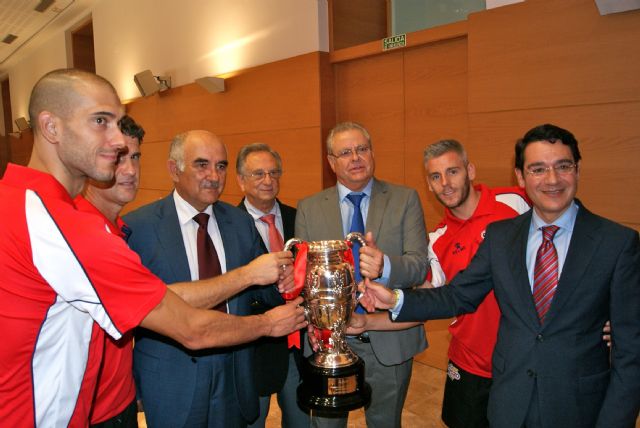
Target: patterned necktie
[[208, 262], [276, 243], [545, 274]]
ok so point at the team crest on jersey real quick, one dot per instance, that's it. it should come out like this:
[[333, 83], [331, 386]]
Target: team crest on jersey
[[484, 232], [458, 247], [452, 372]]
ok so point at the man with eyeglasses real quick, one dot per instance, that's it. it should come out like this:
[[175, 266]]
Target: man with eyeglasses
[[396, 255], [187, 235], [277, 361], [559, 273]]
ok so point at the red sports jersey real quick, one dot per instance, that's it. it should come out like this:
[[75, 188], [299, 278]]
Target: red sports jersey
[[452, 245], [64, 281], [116, 388]]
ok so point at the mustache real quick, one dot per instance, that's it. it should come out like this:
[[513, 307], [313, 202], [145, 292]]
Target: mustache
[[210, 184]]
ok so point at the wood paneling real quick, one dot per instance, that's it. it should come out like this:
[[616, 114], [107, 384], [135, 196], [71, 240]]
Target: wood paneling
[[280, 104], [280, 95], [539, 54], [371, 91], [354, 22], [436, 108], [609, 142]]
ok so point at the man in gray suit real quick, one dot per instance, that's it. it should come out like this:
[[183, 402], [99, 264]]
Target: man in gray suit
[[558, 273], [396, 256]]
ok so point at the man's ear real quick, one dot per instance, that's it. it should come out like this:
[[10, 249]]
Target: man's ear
[[332, 163], [240, 179], [520, 178], [172, 166], [49, 126], [471, 171]]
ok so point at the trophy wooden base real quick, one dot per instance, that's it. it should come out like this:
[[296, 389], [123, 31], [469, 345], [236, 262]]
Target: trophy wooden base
[[332, 391]]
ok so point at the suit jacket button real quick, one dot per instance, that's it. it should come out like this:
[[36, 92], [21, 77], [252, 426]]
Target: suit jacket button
[[540, 338], [531, 373]]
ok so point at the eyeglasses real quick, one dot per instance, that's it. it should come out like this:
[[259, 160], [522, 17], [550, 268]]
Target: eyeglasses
[[260, 175], [560, 169], [360, 151]]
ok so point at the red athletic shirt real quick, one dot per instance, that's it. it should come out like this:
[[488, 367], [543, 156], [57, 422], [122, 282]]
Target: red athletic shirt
[[116, 388], [64, 281], [452, 245]]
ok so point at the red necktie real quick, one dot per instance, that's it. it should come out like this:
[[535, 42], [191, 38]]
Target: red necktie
[[545, 274], [276, 243], [208, 262]]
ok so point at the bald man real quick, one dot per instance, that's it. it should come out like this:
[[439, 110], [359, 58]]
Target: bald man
[[65, 281], [211, 387]]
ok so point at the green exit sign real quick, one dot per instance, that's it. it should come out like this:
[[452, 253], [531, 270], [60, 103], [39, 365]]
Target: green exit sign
[[398, 41]]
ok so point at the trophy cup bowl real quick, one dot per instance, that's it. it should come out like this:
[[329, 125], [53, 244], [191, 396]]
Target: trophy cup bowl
[[333, 377]]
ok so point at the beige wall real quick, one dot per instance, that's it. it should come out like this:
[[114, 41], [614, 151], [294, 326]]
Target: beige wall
[[186, 40]]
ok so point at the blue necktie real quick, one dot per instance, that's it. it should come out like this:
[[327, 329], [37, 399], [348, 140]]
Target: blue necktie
[[357, 225]]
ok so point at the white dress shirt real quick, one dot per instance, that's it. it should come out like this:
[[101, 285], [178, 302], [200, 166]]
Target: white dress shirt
[[189, 229]]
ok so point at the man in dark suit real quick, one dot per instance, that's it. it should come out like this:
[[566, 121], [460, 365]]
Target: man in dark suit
[[558, 273], [212, 387], [259, 169], [397, 254]]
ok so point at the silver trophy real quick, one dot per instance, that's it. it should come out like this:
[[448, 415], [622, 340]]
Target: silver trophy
[[333, 377]]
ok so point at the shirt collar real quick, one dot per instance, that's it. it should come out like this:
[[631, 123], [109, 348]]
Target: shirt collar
[[566, 221], [343, 191], [185, 211], [256, 213]]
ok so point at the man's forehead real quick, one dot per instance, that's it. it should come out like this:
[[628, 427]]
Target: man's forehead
[[447, 159], [132, 143], [349, 135]]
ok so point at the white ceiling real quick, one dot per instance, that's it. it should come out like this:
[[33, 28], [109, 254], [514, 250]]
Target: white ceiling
[[18, 17]]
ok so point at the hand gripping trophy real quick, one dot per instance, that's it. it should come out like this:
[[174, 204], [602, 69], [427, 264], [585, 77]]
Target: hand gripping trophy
[[332, 378]]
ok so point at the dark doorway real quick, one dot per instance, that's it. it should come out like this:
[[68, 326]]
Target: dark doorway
[[82, 44]]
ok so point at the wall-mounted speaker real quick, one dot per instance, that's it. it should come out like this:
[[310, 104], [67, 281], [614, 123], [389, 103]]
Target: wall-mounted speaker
[[211, 84], [146, 83], [22, 124]]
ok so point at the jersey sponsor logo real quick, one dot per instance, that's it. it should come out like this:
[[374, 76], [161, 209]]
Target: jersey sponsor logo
[[458, 248]]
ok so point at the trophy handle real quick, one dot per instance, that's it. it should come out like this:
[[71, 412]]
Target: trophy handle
[[289, 245], [357, 236]]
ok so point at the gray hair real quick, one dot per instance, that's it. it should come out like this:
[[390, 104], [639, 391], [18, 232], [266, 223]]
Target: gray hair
[[346, 126], [176, 150], [255, 148], [441, 147]]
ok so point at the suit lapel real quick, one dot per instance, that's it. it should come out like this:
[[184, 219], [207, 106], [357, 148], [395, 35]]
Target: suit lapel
[[331, 213], [288, 220], [582, 248], [377, 207], [170, 238], [518, 265], [230, 243]]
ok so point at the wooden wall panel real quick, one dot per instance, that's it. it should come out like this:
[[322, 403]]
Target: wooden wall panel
[[552, 53], [280, 95], [280, 104], [436, 108], [356, 21], [609, 141], [301, 162], [371, 91]]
